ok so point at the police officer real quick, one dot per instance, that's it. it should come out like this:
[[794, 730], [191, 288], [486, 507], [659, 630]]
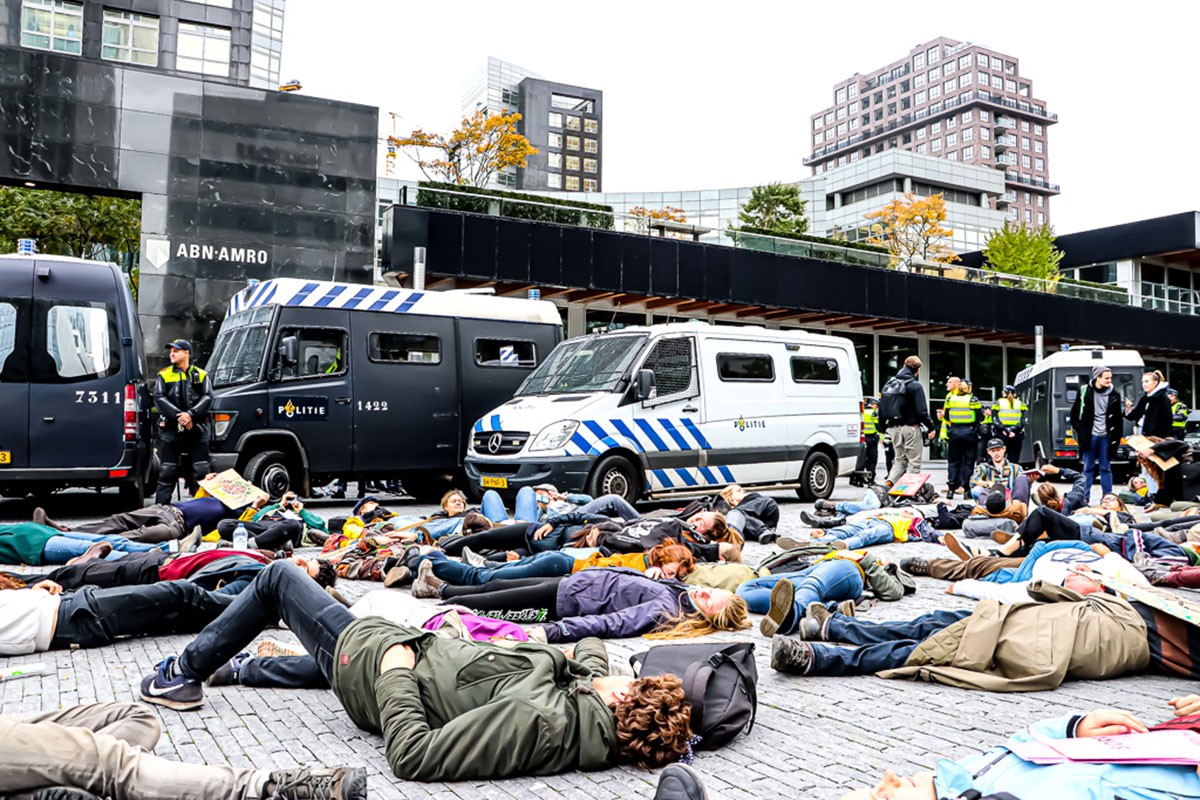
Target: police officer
[[182, 397], [1179, 414], [1009, 417], [870, 433], [963, 415]]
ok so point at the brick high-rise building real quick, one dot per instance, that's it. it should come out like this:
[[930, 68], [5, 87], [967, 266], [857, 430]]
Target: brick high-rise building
[[954, 100]]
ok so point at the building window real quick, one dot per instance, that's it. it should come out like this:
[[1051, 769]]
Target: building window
[[1041, 201], [591, 185], [829, 118], [52, 25], [935, 127], [919, 81], [997, 82], [572, 183], [1026, 162], [572, 163], [920, 98], [932, 55], [964, 80], [572, 142], [1026, 196], [1010, 86], [590, 165], [997, 63], [203, 49], [921, 149], [920, 134], [968, 134], [968, 153], [919, 61], [554, 180], [1039, 165], [1038, 146], [985, 153], [964, 61], [951, 139], [840, 95], [947, 68], [985, 134], [1024, 142], [1029, 216], [952, 156], [935, 91], [951, 122], [554, 119], [948, 86], [574, 123], [1037, 129], [129, 37], [936, 146], [1041, 218], [852, 90], [555, 140], [1025, 125], [554, 160], [591, 126], [854, 124]]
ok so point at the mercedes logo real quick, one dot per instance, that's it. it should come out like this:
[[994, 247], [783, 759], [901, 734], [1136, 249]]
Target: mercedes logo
[[494, 443]]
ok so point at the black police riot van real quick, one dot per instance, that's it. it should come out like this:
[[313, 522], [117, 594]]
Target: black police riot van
[[319, 380], [74, 407]]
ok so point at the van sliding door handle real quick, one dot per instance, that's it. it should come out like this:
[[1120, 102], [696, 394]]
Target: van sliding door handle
[[690, 409], [341, 401]]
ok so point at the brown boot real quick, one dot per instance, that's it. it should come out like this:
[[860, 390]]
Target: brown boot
[[96, 552]]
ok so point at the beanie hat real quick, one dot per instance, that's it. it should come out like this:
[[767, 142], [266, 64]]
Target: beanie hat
[[1099, 370]]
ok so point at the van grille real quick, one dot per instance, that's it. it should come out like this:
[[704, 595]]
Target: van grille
[[509, 442]]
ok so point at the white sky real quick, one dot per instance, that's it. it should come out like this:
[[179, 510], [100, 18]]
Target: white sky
[[703, 95]]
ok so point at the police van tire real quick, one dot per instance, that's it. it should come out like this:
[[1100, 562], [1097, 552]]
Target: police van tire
[[272, 472], [817, 478], [614, 475]]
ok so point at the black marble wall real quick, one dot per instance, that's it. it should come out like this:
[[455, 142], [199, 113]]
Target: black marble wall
[[236, 183]]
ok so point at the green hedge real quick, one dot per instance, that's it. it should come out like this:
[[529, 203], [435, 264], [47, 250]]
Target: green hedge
[[514, 205]]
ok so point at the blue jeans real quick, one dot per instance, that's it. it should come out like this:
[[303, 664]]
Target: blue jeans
[[868, 502], [611, 505], [826, 581], [1127, 544], [551, 564], [862, 534], [525, 510], [880, 645], [67, 545], [1097, 455]]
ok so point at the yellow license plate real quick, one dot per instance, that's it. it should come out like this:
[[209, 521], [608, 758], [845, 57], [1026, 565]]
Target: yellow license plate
[[6, 457], [490, 482]]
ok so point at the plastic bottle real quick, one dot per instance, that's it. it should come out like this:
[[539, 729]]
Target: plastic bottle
[[23, 671], [241, 539]]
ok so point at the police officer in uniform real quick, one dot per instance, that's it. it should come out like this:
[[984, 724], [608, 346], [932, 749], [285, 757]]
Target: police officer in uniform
[[870, 433], [1009, 416], [1179, 414], [182, 396], [963, 415]]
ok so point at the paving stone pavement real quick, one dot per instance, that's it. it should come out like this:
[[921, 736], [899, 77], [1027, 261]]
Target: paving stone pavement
[[814, 737]]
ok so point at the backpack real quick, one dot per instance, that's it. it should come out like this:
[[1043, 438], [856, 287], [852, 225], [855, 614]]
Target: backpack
[[720, 682], [892, 399]]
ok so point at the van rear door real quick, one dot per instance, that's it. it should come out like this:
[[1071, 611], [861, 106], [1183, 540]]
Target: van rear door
[[77, 391], [16, 287]]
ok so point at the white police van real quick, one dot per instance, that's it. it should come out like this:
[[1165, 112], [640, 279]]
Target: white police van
[[676, 410]]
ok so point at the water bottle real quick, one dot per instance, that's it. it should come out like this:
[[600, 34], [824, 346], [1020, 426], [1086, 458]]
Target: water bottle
[[241, 539]]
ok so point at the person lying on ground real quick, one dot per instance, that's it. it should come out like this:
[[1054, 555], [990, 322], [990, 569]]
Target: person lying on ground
[[448, 710], [538, 503], [612, 603], [280, 526], [1000, 770], [37, 545], [752, 514], [1046, 523], [105, 749], [881, 526]]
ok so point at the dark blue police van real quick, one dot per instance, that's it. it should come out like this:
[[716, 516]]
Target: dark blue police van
[[318, 380], [73, 401]]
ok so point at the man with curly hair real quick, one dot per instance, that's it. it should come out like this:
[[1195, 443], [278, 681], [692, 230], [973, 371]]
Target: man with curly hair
[[448, 709]]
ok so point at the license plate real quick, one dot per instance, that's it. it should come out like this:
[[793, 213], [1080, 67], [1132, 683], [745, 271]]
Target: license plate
[[6, 457], [491, 482]]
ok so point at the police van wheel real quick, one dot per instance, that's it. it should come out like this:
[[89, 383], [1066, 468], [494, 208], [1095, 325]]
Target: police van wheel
[[614, 475], [817, 477], [271, 472]]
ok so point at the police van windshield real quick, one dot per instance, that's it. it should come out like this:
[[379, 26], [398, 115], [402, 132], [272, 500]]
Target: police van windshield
[[587, 364], [238, 354]]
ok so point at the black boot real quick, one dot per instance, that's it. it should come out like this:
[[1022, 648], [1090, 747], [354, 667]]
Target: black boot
[[814, 521], [679, 782]]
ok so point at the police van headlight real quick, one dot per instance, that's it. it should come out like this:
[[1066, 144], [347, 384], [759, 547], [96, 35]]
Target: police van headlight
[[554, 436]]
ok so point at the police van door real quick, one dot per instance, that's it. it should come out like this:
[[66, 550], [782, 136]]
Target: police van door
[[667, 427], [77, 389], [15, 290], [312, 396]]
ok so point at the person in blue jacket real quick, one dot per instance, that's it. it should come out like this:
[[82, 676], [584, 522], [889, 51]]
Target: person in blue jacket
[[998, 770]]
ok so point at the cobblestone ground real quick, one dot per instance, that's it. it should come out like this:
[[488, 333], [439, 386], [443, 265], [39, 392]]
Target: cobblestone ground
[[814, 738]]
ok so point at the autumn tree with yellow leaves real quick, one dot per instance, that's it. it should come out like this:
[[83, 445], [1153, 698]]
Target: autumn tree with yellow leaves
[[642, 216], [911, 229], [472, 154]]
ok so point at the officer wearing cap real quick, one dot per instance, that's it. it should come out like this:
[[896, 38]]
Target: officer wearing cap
[[1179, 414], [1009, 416], [182, 397]]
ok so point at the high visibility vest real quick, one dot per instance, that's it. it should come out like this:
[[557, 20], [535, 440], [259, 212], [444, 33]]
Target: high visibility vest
[[1179, 415], [1009, 412], [172, 375], [869, 421], [962, 409]]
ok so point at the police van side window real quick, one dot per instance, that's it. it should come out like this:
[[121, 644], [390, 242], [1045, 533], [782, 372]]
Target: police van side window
[[809, 369], [745, 367], [77, 341], [14, 367], [321, 353], [505, 353], [404, 348], [673, 363]]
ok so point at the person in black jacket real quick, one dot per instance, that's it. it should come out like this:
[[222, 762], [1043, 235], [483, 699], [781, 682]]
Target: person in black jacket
[[1097, 422], [1153, 408], [907, 436], [182, 397]]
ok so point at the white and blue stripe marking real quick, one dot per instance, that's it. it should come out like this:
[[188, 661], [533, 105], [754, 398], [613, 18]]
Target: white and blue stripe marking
[[317, 294]]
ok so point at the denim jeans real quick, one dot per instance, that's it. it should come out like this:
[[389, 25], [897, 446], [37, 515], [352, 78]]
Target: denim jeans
[[67, 545], [551, 564], [862, 534], [880, 645], [1131, 542], [611, 505], [525, 510], [283, 672], [833, 580], [281, 591], [1095, 456], [868, 502]]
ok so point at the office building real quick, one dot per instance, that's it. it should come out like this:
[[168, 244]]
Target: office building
[[947, 99], [563, 121]]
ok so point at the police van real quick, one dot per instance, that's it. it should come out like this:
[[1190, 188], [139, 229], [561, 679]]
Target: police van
[[73, 400], [676, 410], [315, 380], [1050, 387]]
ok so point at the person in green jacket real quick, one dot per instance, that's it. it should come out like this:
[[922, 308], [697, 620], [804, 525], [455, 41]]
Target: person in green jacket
[[39, 545], [448, 710]]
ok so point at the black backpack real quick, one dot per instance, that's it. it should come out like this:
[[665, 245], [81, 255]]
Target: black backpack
[[720, 682], [892, 398]]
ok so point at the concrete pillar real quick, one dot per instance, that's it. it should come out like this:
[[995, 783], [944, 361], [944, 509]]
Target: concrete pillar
[[908, 184], [923, 354], [576, 320]]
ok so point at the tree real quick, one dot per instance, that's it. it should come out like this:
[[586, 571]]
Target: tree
[[775, 208], [472, 154], [644, 216], [911, 228], [84, 226], [1018, 250]]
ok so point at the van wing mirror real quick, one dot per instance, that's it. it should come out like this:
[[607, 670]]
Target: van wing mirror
[[289, 351], [643, 385]]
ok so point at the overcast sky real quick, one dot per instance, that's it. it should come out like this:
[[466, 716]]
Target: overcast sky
[[703, 95]]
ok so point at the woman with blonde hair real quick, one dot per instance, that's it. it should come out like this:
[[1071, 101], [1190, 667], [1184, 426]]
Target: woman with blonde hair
[[1153, 408]]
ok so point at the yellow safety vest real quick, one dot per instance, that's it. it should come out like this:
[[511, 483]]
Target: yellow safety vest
[[962, 409], [171, 375], [869, 421], [1009, 412], [1179, 415]]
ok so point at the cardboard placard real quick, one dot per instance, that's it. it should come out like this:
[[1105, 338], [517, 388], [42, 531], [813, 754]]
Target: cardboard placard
[[232, 489], [908, 485]]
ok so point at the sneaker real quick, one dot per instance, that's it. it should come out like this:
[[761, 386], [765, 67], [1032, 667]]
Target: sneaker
[[824, 505], [303, 783], [679, 782], [811, 630], [166, 687], [473, 558], [781, 615], [189, 543], [847, 608], [1000, 537], [1154, 571], [791, 542], [426, 586], [811, 520], [790, 654], [962, 551], [819, 613], [768, 538], [915, 565], [227, 673], [397, 576], [272, 649], [1175, 537], [95, 552], [839, 544]]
